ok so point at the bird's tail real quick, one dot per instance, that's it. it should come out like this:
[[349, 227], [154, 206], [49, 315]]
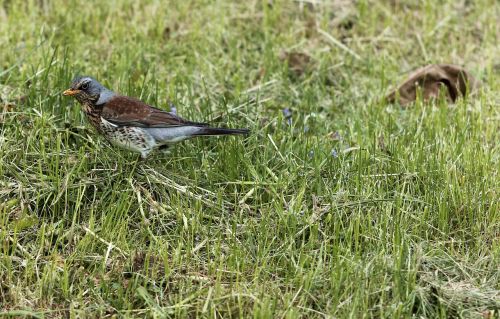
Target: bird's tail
[[207, 131]]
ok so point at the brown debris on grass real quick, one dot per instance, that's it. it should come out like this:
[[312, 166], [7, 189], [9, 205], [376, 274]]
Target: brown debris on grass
[[298, 62], [430, 79]]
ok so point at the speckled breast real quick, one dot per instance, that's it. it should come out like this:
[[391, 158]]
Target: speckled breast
[[131, 138]]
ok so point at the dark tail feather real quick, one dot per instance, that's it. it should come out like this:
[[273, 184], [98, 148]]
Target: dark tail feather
[[223, 131]]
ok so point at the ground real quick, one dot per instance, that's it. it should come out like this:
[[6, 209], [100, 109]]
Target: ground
[[337, 205]]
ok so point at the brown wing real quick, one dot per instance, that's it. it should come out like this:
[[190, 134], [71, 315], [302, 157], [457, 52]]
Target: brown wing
[[127, 111]]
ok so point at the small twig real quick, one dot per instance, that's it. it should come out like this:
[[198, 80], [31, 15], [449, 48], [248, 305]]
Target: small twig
[[258, 87], [110, 245], [292, 302], [339, 44], [275, 147], [19, 246]]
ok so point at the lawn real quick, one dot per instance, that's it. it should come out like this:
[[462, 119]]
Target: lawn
[[338, 205]]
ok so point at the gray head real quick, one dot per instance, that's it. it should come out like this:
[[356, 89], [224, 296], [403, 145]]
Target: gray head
[[88, 90]]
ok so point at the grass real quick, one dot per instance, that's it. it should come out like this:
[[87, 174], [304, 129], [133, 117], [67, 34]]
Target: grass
[[356, 209]]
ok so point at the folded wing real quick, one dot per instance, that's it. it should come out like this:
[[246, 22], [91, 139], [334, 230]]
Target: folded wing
[[127, 111]]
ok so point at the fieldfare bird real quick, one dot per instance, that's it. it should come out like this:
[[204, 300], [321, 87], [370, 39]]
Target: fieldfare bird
[[132, 124]]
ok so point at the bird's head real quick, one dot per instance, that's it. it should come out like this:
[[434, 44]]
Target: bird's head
[[88, 90]]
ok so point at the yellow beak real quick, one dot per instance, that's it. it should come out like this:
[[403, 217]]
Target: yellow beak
[[70, 92]]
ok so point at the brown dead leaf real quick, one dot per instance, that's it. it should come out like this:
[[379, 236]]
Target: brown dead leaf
[[7, 107], [430, 79], [298, 62]]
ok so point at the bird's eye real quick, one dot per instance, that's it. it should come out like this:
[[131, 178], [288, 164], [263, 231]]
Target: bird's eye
[[84, 86]]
